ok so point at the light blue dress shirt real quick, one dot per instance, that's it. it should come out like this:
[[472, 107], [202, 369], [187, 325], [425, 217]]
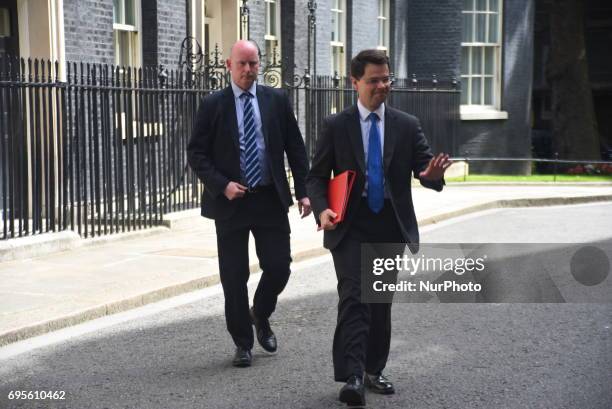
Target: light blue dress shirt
[[261, 144], [365, 123]]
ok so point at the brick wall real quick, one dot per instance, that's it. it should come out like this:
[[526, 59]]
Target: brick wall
[[362, 28], [150, 56], [257, 23], [433, 38], [299, 32], [323, 37], [88, 31], [171, 30], [88, 26]]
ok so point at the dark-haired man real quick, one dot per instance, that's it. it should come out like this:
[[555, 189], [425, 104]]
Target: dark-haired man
[[384, 146]]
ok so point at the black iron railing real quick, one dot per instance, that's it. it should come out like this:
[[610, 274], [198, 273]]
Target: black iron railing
[[436, 106], [101, 149], [101, 152]]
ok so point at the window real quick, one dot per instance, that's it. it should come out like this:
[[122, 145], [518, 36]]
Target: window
[[272, 36], [481, 53], [383, 25], [5, 23], [338, 34], [126, 19]]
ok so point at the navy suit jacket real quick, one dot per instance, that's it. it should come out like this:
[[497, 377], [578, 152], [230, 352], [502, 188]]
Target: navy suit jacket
[[340, 148], [213, 151]]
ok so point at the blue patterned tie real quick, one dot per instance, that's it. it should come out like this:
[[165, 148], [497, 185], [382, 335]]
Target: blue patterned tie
[[252, 170], [376, 194]]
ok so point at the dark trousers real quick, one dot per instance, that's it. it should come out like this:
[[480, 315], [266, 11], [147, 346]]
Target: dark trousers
[[363, 331], [263, 215]]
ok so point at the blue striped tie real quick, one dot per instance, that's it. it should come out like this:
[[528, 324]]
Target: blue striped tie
[[376, 192], [252, 170]]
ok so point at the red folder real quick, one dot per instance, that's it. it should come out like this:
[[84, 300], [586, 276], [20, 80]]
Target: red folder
[[338, 192]]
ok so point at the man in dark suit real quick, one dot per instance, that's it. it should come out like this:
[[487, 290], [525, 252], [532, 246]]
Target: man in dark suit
[[384, 146], [237, 149]]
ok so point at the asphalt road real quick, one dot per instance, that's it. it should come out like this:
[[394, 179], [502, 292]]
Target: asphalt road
[[442, 355]]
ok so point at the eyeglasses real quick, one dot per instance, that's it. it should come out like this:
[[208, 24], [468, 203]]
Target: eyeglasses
[[375, 81]]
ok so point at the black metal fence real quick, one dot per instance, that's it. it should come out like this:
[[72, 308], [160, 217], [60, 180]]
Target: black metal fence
[[435, 104], [102, 150], [99, 153]]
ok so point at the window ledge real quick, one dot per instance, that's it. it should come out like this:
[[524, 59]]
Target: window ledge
[[124, 27], [480, 113]]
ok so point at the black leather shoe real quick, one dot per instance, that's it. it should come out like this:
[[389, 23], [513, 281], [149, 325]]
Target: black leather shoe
[[379, 384], [265, 336], [353, 393], [242, 357]]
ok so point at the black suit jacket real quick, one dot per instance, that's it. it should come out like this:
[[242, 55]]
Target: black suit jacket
[[213, 151], [340, 148]]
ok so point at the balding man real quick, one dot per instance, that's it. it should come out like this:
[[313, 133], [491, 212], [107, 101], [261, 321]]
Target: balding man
[[238, 145]]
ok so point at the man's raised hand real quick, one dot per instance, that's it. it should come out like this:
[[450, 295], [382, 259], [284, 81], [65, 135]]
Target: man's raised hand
[[436, 167]]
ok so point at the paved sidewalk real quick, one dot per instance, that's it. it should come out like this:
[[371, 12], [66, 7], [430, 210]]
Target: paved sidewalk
[[113, 274]]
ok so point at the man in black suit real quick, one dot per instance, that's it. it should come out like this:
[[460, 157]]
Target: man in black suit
[[384, 146], [237, 149]]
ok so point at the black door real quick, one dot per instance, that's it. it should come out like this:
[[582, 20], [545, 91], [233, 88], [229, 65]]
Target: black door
[[9, 45]]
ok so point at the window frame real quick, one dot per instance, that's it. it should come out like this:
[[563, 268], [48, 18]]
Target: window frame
[[383, 18], [477, 108], [272, 41], [5, 16], [134, 36], [337, 45]]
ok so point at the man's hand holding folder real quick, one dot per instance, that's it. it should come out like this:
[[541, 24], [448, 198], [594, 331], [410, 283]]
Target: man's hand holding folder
[[338, 192]]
